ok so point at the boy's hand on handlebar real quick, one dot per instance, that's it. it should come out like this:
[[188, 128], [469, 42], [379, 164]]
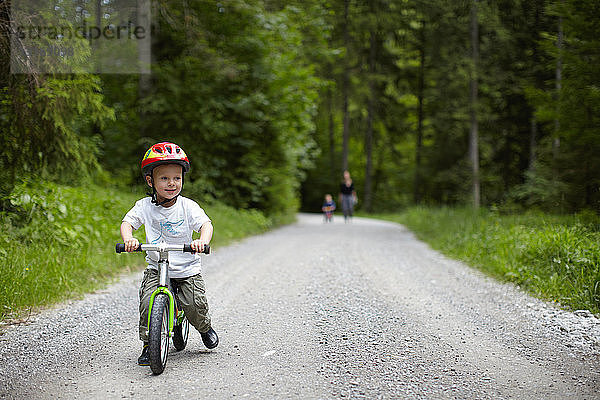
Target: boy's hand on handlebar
[[198, 245], [131, 244]]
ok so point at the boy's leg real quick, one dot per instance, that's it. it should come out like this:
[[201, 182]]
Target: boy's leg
[[147, 287], [192, 298]]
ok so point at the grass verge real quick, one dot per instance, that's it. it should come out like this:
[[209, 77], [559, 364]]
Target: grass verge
[[556, 258], [57, 242]]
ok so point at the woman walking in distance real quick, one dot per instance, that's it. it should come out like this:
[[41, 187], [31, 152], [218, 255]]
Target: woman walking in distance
[[347, 196]]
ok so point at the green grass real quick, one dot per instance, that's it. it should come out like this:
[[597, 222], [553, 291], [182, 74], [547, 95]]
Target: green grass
[[556, 258], [58, 242], [231, 224]]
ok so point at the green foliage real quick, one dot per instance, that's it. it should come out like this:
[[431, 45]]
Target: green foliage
[[71, 106], [233, 224], [49, 132], [58, 241], [554, 257], [538, 145], [50, 120], [567, 108], [231, 87], [541, 190], [228, 84], [253, 91]]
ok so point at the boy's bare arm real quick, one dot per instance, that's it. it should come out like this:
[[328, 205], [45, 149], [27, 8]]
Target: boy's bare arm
[[131, 243], [206, 232]]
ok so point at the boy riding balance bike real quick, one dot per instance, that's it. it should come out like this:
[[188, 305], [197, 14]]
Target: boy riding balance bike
[[169, 220]]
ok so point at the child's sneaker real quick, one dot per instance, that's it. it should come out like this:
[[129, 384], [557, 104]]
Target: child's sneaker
[[144, 359], [210, 339]]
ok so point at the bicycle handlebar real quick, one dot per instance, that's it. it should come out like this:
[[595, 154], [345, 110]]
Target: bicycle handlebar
[[186, 248]]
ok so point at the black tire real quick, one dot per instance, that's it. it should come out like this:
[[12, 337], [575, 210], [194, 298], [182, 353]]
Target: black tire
[[158, 334], [180, 334]]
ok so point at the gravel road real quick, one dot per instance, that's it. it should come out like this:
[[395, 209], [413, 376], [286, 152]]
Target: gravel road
[[361, 310]]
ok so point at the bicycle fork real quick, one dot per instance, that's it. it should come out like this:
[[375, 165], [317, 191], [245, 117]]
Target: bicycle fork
[[163, 270]]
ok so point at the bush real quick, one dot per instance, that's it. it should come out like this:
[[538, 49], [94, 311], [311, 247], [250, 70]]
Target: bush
[[57, 242]]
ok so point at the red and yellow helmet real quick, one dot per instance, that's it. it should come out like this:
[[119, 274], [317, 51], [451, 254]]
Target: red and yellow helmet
[[164, 153]]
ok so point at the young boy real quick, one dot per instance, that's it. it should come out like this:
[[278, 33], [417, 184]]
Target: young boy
[[170, 218], [328, 208]]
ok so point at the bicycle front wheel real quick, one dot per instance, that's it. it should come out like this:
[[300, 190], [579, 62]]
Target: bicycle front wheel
[[158, 334]]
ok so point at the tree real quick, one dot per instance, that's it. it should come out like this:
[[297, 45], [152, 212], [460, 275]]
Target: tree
[[346, 86], [231, 88], [420, 113], [474, 130], [48, 119]]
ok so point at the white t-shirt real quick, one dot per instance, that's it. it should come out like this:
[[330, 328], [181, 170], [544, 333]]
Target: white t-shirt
[[172, 225]]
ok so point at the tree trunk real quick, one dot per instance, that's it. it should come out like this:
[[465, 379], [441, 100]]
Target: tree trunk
[[533, 132], [420, 116], [559, 45], [144, 58], [369, 133], [98, 20], [474, 131], [332, 167], [96, 126], [345, 89]]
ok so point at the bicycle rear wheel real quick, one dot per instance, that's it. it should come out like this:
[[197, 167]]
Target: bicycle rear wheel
[[158, 334], [180, 334]]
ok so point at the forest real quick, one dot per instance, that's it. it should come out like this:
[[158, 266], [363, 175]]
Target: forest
[[485, 103]]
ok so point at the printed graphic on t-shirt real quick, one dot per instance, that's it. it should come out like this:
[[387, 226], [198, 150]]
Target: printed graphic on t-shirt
[[169, 229]]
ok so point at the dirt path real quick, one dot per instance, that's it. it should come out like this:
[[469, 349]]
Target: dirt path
[[362, 310]]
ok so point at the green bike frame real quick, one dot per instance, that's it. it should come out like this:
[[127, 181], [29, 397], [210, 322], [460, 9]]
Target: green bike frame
[[163, 273], [163, 287]]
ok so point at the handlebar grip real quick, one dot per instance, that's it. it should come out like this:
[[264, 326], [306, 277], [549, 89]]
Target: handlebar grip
[[120, 248], [188, 249]]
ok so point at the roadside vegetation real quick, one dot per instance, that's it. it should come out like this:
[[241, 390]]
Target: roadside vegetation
[[554, 257], [57, 242]]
